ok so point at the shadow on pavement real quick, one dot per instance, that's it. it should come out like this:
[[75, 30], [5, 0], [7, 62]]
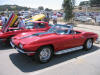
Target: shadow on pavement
[[26, 64]]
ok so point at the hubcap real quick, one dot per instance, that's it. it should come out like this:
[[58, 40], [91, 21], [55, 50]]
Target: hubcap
[[45, 54], [89, 43]]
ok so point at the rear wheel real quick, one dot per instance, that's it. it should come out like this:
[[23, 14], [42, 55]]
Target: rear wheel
[[88, 44], [44, 54]]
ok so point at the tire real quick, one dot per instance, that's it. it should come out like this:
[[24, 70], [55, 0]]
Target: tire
[[88, 44], [44, 54]]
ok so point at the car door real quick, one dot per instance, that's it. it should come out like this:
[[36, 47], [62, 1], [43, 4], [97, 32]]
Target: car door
[[66, 41], [78, 39], [70, 40]]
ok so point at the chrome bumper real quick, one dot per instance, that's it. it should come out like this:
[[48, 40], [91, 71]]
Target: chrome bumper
[[20, 50], [97, 41]]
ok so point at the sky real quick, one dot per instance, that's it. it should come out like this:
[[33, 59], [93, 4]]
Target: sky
[[52, 4]]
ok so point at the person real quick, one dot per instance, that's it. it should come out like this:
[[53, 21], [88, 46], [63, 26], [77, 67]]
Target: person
[[47, 16], [21, 24], [0, 21], [3, 19], [54, 17]]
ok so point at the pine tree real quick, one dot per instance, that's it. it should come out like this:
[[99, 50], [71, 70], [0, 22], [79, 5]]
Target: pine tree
[[95, 3], [68, 9]]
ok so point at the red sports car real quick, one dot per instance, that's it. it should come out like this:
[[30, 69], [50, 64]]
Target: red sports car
[[59, 39], [36, 26]]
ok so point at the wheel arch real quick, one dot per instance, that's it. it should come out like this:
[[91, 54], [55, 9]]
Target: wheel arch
[[89, 38], [50, 45]]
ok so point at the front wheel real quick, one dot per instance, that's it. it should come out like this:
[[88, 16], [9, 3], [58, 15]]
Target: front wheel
[[44, 54], [88, 44]]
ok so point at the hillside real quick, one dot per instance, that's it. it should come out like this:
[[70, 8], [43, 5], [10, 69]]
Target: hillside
[[12, 8]]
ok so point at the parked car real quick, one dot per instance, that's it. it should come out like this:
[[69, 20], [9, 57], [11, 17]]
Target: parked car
[[59, 39], [83, 18], [35, 26]]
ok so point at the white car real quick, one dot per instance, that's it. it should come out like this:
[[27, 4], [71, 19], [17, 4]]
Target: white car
[[83, 18]]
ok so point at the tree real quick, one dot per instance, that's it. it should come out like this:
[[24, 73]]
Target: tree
[[68, 9], [47, 9], [84, 3], [95, 3], [41, 8], [12, 8]]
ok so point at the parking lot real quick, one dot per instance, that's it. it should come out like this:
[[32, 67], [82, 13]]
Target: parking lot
[[75, 63]]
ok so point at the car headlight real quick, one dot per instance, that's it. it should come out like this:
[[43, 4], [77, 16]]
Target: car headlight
[[21, 46]]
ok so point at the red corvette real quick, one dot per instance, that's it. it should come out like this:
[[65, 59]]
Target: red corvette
[[36, 26], [59, 39]]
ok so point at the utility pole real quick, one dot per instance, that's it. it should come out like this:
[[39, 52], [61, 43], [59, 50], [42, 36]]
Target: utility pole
[[86, 10]]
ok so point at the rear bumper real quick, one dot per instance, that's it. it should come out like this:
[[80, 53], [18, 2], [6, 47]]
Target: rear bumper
[[21, 50]]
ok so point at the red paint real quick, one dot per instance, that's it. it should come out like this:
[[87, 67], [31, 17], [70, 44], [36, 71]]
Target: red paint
[[58, 41], [8, 34]]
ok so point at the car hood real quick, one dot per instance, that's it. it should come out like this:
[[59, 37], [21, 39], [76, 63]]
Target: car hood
[[27, 35], [26, 38]]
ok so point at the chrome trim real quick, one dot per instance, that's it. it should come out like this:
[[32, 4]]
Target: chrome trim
[[97, 41], [12, 44], [19, 50], [23, 51], [69, 50]]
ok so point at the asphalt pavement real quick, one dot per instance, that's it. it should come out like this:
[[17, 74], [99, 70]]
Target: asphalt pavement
[[75, 63]]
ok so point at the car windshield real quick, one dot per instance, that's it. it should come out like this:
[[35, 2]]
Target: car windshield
[[60, 29], [29, 25]]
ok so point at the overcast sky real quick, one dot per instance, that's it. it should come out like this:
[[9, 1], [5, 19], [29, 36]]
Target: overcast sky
[[52, 4]]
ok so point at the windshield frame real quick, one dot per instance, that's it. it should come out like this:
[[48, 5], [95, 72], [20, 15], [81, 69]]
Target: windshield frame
[[34, 24], [68, 27]]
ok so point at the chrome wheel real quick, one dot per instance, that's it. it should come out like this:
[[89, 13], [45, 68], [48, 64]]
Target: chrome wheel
[[89, 43], [45, 54]]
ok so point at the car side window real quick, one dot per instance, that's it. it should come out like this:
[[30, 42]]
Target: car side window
[[72, 32], [41, 25], [77, 32]]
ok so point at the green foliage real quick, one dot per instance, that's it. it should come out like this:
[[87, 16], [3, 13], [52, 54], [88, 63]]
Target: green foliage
[[68, 9], [47, 9], [95, 3], [41, 8], [12, 8], [84, 3]]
